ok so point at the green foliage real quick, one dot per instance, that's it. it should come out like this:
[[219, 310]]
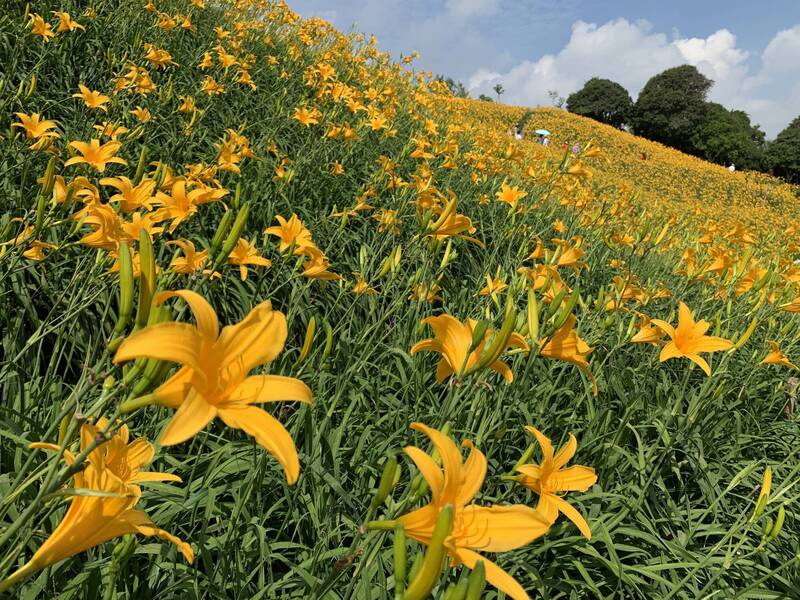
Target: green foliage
[[602, 100], [456, 87], [671, 106], [783, 155], [485, 98], [727, 136], [676, 452]]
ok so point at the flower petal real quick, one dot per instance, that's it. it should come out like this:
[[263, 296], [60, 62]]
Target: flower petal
[[192, 416], [428, 468], [269, 388], [255, 340], [573, 515], [576, 478], [269, 433], [173, 342], [499, 578], [207, 321], [500, 528]]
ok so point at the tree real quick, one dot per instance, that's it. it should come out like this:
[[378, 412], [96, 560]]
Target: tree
[[783, 155], [727, 136], [485, 98], [671, 106], [456, 87], [602, 100], [498, 89], [556, 99]]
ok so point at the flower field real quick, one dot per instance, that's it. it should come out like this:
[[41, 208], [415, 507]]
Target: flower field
[[285, 319]]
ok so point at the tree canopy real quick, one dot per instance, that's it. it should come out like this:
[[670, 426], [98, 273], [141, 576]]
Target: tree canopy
[[727, 136], [671, 106], [783, 155], [602, 100]]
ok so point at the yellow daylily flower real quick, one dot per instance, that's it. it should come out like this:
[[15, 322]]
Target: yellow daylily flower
[[689, 339], [475, 528], [35, 127], [92, 98], [316, 265], [112, 468], [41, 28], [291, 232], [131, 197], [96, 155], [66, 23], [550, 478], [245, 253], [306, 116], [213, 379], [191, 261], [510, 195], [453, 339], [565, 344], [776, 357], [648, 332]]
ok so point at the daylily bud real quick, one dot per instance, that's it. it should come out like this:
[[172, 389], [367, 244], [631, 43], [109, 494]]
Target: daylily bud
[[124, 549], [310, 330], [477, 582], [31, 87], [497, 346], [386, 482], [746, 335], [566, 310], [415, 567], [477, 335], [125, 289], [328, 341], [431, 568], [222, 231], [776, 528], [237, 195], [448, 253], [400, 561], [555, 303], [63, 428], [137, 179], [456, 591], [233, 235], [147, 278], [41, 204], [533, 316], [763, 497], [49, 179]]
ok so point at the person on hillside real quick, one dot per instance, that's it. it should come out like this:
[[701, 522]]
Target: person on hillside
[[732, 168], [518, 133], [545, 140]]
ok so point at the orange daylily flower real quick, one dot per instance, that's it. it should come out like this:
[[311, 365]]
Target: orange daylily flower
[[453, 340], [96, 155], [776, 357], [475, 528], [244, 253], [292, 232], [550, 478], [213, 379], [113, 470], [92, 98], [689, 339]]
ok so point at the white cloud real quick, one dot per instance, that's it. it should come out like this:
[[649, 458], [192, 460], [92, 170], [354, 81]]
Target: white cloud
[[630, 53]]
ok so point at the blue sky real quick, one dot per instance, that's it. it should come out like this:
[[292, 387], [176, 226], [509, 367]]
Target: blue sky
[[751, 49]]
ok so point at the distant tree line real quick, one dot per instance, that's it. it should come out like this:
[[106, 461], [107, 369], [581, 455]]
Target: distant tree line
[[672, 109]]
